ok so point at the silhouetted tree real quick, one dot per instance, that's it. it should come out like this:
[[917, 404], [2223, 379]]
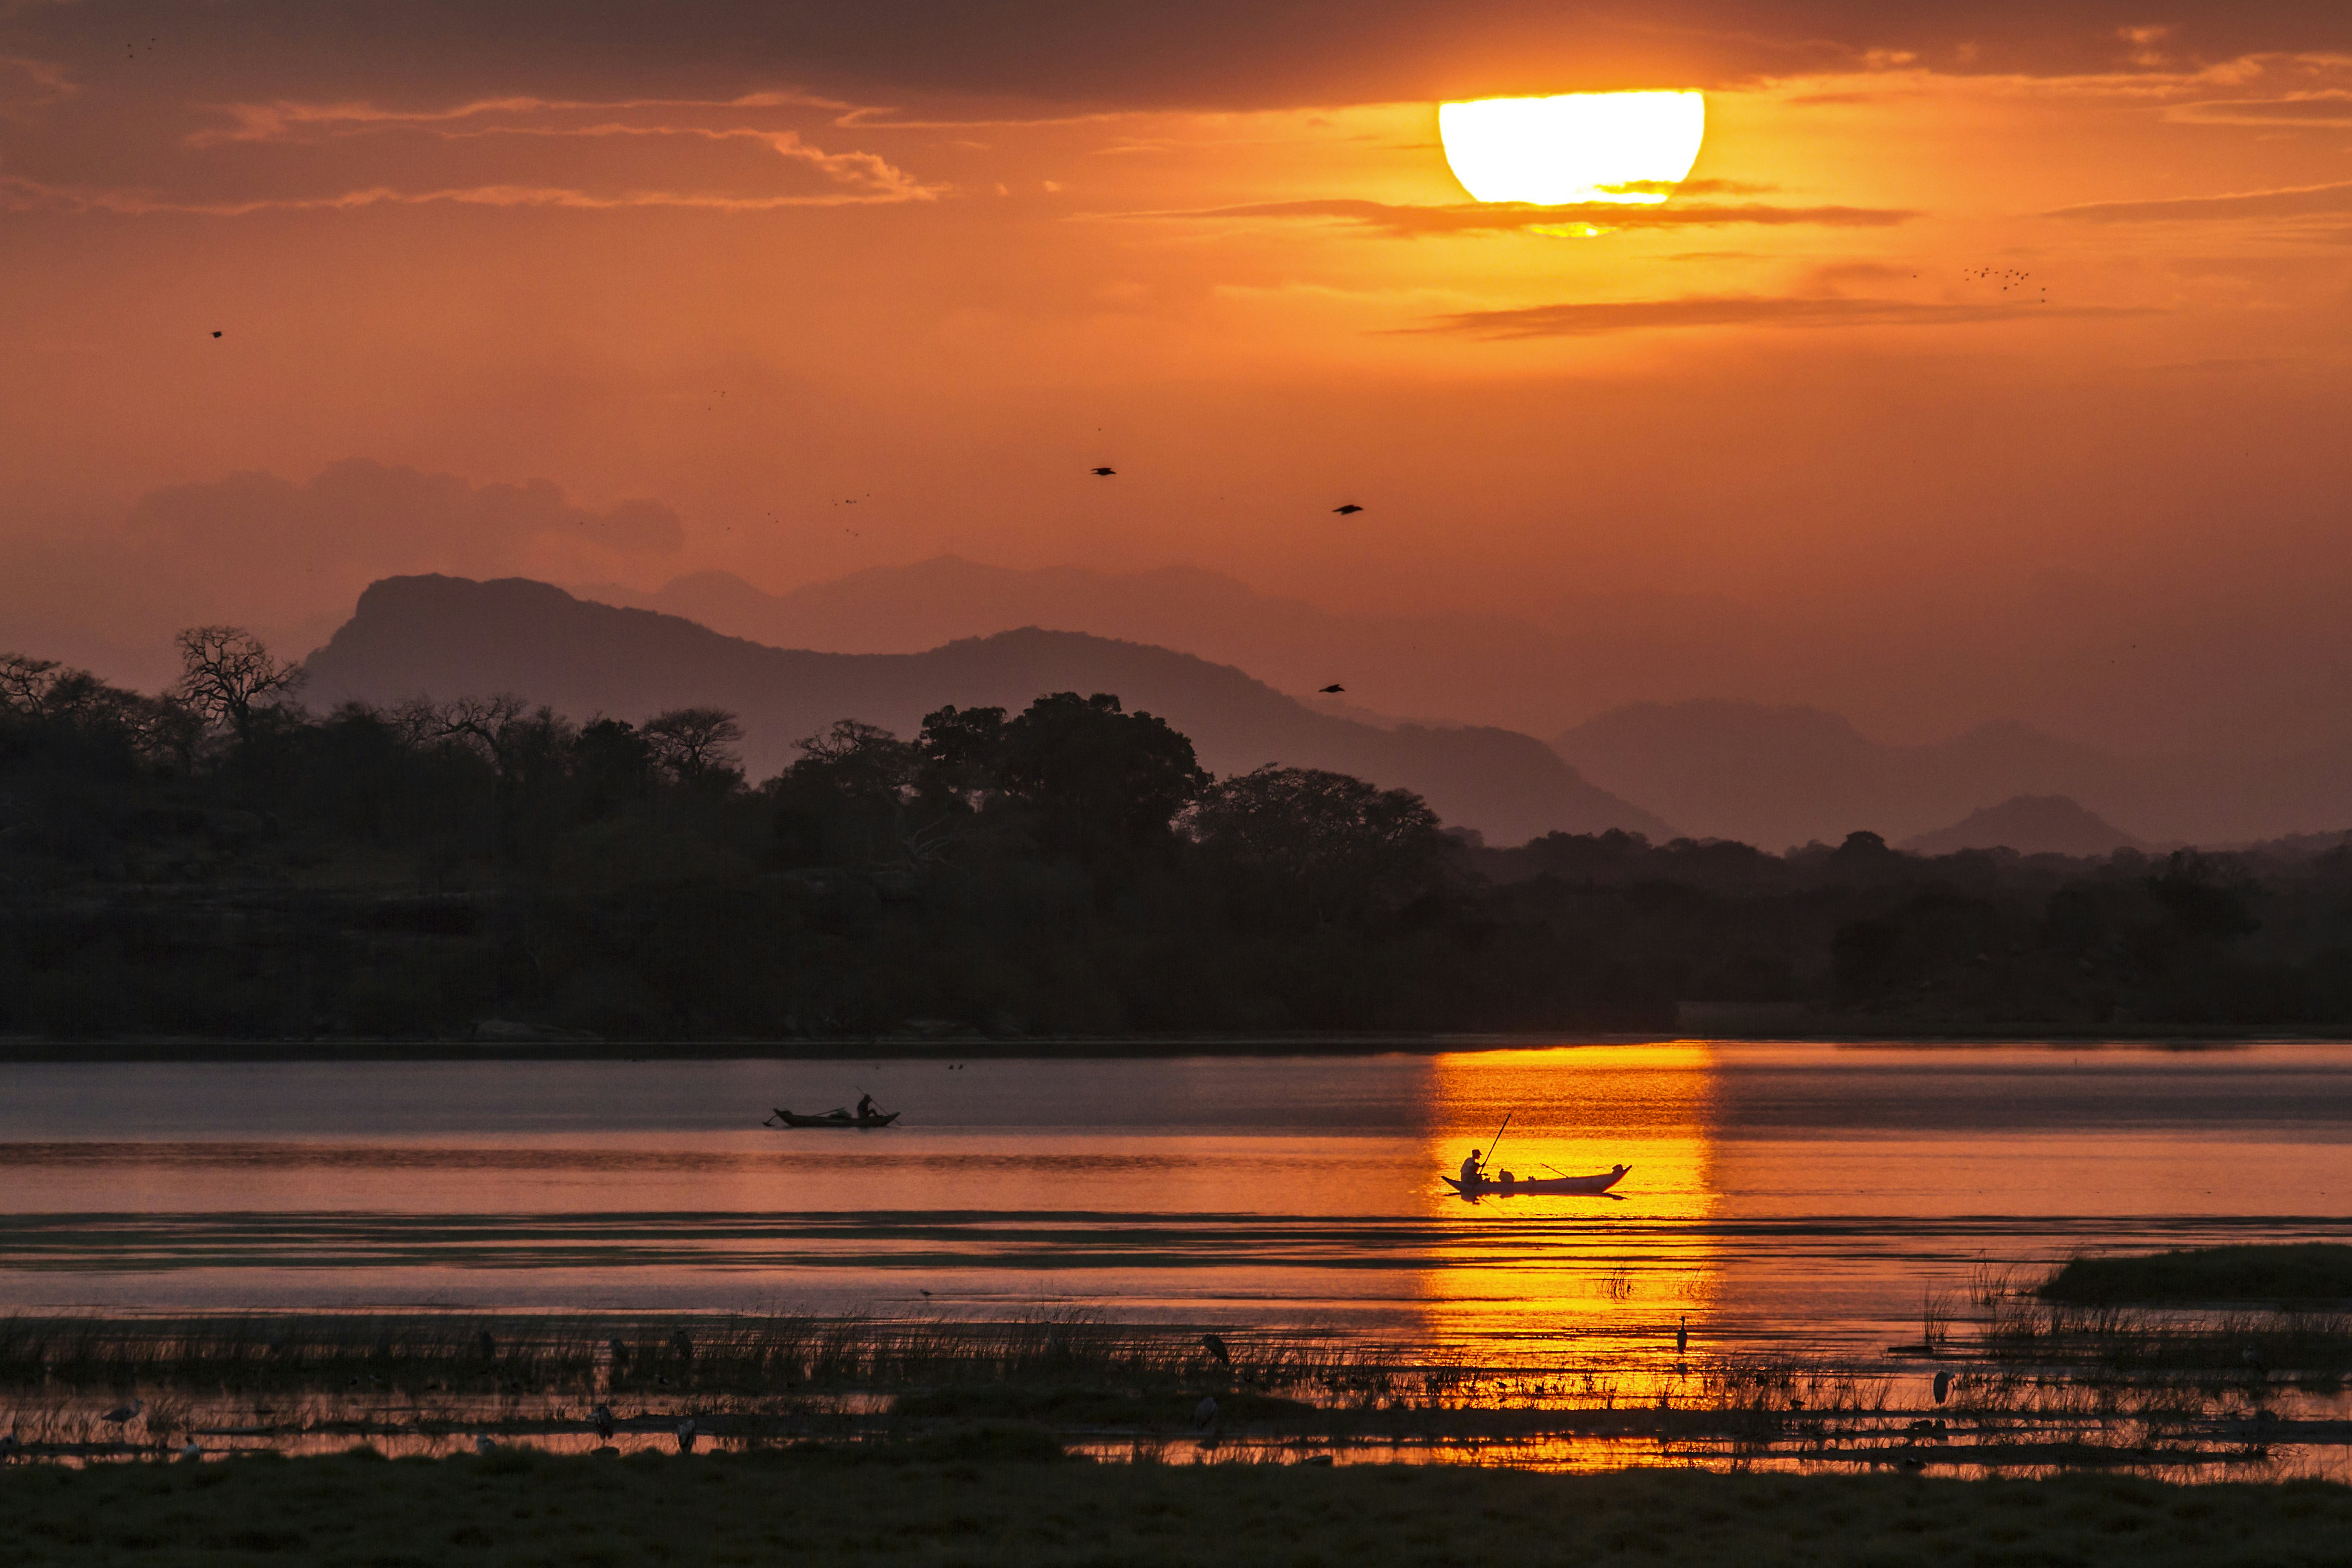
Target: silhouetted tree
[[229, 679], [1324, 842], [1096, 775], [694, 743]]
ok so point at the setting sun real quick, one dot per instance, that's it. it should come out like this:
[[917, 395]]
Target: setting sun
[[1578, 147]]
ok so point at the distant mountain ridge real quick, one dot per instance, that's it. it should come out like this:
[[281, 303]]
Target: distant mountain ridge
[[1776, 776], [449, 636], [1770, 774], [2030, 824]]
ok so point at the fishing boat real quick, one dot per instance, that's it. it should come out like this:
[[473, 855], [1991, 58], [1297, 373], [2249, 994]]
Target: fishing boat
[[835, 1118], [1507, 1185]]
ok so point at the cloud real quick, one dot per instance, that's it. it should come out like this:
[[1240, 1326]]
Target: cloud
[[2291, 202], [2330, 108], [32, 195], [1595, 319], [387, 518], [1407, 222], [1207, 54]]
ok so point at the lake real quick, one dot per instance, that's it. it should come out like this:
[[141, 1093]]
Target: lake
[[1793, 1196]]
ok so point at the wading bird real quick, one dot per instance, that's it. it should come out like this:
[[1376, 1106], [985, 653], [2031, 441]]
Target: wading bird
[[192, 1452], [1943, 1384], [603, 1417], [686, 1436], [122, 1415], [483, 1445], [1205, 1413], [1215, 1345], [1682, 1337]]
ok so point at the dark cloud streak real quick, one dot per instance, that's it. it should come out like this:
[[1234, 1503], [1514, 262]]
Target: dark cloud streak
[[1404, 222], [1596, 319]]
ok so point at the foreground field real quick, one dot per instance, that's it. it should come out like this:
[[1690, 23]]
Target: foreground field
[[1002, 1498]]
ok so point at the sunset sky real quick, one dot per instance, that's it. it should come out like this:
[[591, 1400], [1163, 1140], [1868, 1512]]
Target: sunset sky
[[2003, 347]]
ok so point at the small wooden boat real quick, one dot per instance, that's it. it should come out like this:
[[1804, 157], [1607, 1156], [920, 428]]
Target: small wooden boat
[[830, 1118], [1507, 1186]]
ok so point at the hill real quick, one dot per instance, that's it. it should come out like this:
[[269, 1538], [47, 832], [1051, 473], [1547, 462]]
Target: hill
[[448, 637], [1783, 776], [2030, 824]]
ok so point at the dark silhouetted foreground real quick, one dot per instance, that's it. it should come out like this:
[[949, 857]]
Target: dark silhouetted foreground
[[986, 1496], [215, 861]]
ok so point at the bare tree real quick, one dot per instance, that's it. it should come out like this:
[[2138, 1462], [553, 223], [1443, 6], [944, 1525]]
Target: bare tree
[[228, 678], [693, 742]]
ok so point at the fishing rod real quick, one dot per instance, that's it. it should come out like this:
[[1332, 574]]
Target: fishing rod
[[1498, 1137]]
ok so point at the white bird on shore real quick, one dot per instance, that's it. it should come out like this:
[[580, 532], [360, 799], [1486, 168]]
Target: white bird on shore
[[1205, 1413], [686, 1436], [483, 1445], [192, 1452]]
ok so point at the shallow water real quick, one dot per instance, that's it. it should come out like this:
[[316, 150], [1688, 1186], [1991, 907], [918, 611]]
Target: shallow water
[[1781, 1196]]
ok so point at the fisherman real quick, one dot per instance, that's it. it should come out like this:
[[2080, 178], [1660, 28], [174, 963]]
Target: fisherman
[[864, 1107], [1470, 1176]]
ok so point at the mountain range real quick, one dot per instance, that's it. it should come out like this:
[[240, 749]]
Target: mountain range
[[450, 636], [1770, 774]]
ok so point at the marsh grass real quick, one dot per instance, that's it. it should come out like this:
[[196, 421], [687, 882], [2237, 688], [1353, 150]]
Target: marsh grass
[[2308, 1275]]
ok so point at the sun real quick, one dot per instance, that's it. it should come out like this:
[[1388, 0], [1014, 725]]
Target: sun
[[1578, 147]]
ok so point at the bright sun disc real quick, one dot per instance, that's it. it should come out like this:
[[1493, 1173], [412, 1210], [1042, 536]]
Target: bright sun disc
[[1579, 147]]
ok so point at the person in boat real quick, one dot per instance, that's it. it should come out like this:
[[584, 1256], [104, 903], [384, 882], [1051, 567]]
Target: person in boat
[[865, 1111], [1471, 1176]]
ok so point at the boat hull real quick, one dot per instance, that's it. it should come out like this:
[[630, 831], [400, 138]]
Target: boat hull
[[786, 1119], [1536, 1186]]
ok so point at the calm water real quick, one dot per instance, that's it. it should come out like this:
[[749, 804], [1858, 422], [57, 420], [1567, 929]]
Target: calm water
[[1805, 1194]]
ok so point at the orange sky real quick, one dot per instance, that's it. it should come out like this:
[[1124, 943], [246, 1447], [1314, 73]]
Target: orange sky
[[639, 297]]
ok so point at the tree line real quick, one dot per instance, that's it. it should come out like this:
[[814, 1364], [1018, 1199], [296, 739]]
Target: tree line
[[216, 859]]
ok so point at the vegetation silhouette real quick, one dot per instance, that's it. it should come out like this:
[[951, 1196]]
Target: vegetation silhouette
[[215, 861]]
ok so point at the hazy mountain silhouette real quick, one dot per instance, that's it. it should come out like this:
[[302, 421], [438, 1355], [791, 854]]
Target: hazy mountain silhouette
[[1779, 776], [1786, 776], [2030, 824], [447, 637], [1449, 668]]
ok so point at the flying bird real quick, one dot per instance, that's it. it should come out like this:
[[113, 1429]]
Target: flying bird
[[1330, 691], [1103, 473], [1345, 510], [215, 335]]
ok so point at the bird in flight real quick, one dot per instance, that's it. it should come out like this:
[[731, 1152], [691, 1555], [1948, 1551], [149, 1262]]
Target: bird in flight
[[1328, 690], [1104, 473], [1344, 510], [215, 335]]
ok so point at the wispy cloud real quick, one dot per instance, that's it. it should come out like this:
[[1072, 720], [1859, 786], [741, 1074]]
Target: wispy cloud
[[2293, 201], [32, 195], [2327, 109], [1409, 221], [1595, 319]]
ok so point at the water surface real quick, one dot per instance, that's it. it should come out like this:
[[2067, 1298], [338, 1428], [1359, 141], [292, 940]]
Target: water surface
[[1802, 1195]]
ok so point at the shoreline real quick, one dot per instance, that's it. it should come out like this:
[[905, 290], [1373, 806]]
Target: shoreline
[[33, 1050]]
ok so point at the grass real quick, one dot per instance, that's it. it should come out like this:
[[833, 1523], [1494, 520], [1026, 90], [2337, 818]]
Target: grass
[[992, 1497], [2305, 1274]]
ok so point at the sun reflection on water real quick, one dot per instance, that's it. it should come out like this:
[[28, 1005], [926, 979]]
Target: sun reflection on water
[[1618, 1274]]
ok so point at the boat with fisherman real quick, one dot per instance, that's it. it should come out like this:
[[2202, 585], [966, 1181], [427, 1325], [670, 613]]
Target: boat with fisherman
[[1475, 1181], [868, 1115]]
